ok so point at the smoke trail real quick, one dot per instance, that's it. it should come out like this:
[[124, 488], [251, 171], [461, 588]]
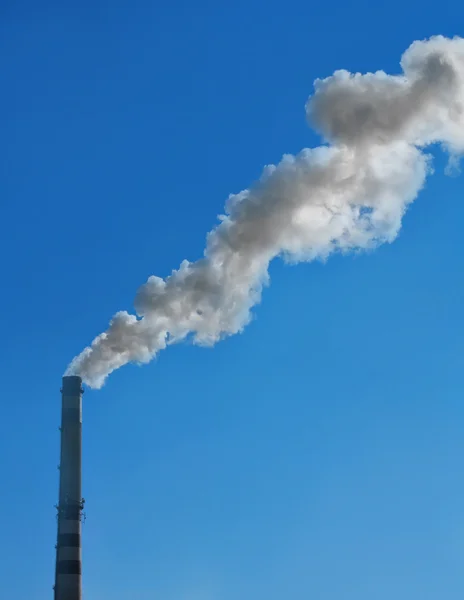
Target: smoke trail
[[347, 195]]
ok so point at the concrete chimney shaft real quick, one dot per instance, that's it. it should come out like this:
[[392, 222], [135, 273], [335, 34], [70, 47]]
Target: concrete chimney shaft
[[68, 572]]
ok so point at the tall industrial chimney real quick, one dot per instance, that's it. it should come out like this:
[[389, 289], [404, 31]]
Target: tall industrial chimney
[[68, 570]]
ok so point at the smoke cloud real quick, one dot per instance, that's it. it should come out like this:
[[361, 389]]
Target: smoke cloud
[[347, 195]]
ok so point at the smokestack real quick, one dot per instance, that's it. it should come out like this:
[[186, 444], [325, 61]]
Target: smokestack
[[68, 571]]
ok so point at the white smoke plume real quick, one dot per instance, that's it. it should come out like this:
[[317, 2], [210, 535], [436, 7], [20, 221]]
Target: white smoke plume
[[347, 195]]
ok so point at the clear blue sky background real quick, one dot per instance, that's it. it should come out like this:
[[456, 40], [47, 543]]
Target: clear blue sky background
[[318, 455]]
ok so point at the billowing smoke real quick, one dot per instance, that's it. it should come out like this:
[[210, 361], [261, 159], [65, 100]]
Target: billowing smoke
[[349, 194]]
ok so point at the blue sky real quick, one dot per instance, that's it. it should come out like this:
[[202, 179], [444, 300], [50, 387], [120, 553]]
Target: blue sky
[[319, 454]]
